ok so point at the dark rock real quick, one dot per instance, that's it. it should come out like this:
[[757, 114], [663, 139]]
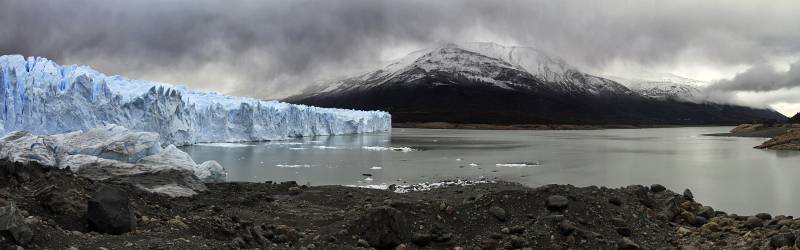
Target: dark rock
[[688, 194], [109, 211], [624, 231], [421, 239], [782, 239], [518, 230], [655, 188], [615, 200], [627, 244], [557, 203], [706, 211], [295, 191], [753, 222], [566, 227], [383, 227], [13, 222], [764, 216], [498, 213], [699, 221], [618, 222], [518, 242]]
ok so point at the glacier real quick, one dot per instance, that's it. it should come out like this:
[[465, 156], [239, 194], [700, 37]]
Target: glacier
[[44, 98]]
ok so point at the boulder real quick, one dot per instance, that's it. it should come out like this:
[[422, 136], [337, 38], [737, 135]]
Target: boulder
[[12, 222], [109, 211], [498, 213], [557, 203], [383, 227], [655, 188]]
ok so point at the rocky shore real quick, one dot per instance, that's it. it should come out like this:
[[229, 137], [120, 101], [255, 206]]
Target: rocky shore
[[784, 136], [48, 208]]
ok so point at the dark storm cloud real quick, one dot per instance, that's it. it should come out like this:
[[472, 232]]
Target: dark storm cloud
[[272, 48], [761, 78]]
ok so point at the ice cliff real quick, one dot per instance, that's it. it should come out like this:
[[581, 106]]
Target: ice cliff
[[42, 97]]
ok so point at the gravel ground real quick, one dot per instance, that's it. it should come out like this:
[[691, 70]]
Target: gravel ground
[[53, 208]]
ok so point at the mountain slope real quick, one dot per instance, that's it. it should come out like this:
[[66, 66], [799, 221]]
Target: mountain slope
[[489, 83], [663, 86]]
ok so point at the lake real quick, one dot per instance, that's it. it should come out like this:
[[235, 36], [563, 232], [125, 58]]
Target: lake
[[723, 172]]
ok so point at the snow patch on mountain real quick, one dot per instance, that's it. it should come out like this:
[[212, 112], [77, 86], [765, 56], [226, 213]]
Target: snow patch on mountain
[[663, 86], [43, 97]]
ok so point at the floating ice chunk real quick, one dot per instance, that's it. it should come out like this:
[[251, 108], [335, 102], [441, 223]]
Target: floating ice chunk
[[518, 165], [379, 148], [324, 147], [376, 168], [474, 164], [225, 145], [293, 166], [296, 148]]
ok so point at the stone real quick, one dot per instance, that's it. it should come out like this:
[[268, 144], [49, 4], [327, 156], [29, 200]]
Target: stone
[[498, 213], [421, 239], [699, 221], [566, 227], [13, 222], [782, 240], [518, 242], [753, 222], [557, 203], [109, 211], [295, 191], [627, 244], [688, 194], [764, 216], [655, 188], [615, 201], [624, 231], [711, 226], [383, 227], [706, 211]]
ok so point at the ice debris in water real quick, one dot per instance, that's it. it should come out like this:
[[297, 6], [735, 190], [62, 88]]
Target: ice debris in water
[[376, 168], [379, 148], [43, 97], [105, 152], [518, 165], [425, 186], [293, 166]]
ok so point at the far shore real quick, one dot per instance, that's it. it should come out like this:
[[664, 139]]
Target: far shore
[[483, 126]]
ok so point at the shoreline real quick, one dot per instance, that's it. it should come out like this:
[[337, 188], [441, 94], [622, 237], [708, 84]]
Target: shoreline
[[234, 215], [481, 126]]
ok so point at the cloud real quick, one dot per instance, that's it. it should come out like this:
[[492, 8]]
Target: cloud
[[761, 78], [273, 48]]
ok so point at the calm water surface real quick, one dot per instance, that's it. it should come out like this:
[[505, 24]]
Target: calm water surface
[[726, 173]]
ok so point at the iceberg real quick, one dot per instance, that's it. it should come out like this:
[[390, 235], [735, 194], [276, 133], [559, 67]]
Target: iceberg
[[105, 152], [115, 154], [45, 98]]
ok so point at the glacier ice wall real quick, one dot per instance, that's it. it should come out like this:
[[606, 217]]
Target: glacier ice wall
[[42, 97]]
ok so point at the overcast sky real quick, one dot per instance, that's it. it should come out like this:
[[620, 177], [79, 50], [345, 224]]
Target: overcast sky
[[748, 49]]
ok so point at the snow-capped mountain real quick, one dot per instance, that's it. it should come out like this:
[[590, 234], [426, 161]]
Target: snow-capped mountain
[[491, 83], [663, 86], [43, 97], [512, 68]]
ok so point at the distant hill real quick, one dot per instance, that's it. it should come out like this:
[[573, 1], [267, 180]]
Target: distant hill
[[493, 84], [795, 119]]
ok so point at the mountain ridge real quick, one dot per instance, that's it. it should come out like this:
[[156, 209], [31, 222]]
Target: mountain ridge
[[454, 83]]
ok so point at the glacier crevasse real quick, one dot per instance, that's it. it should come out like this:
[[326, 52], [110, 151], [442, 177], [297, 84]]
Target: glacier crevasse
[[42, 97]]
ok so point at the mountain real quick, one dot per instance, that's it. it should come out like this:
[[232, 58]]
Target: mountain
[[494, 84], [795, 119], [663, 86], [43, 97]]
